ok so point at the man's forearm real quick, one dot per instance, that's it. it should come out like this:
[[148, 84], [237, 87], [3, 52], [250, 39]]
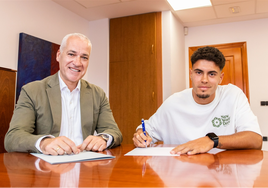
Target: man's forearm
[[241, 140]]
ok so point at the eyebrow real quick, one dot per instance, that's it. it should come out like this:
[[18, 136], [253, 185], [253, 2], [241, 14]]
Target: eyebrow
[[215, 72], [76, 53], [208, 71], [198, 70]]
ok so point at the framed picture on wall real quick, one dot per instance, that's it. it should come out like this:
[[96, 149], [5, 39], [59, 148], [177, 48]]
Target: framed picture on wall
[[37, 60]]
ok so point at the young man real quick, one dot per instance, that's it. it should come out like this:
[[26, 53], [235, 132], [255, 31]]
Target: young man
[[205, 116], [60, 113]]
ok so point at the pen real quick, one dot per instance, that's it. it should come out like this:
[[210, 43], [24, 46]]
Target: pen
[[143, 129]]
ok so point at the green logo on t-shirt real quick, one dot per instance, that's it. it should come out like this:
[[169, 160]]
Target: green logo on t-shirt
[[223, 120]]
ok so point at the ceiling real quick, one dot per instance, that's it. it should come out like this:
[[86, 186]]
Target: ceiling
[[220, 12]]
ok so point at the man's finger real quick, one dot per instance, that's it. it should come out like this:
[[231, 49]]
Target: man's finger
[[143, 136], [177, 150], [135, 140], [92, 146], [69, 146], [85, 143], [139, 141], [94, 143]]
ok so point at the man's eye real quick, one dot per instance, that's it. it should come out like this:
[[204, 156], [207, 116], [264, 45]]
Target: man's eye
[[70, 54], [85, 58]]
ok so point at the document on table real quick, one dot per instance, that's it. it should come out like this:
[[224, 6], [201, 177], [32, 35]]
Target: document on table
[[82, 156], [151, 151], [159, 151]]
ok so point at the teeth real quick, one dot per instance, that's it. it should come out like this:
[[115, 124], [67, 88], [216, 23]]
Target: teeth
[[74, 70]]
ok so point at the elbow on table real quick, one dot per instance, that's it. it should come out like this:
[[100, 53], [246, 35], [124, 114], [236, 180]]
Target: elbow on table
[[257, 144], [7, 145]]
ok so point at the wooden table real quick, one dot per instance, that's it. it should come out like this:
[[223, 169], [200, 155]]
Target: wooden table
[[238, 168]]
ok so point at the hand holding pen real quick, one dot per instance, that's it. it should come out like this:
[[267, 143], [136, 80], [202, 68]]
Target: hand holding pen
[[141, 138]]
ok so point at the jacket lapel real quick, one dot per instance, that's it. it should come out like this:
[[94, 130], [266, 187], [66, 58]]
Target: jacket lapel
[[86, 106], [54, 97]]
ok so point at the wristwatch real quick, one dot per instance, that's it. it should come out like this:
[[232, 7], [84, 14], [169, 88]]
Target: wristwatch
[[104, 136], [214, 138]]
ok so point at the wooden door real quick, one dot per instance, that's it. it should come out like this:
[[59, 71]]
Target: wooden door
[[135, 70], [7, 101], [235, 70]]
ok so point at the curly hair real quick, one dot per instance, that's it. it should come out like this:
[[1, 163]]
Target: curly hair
[[210, 54]]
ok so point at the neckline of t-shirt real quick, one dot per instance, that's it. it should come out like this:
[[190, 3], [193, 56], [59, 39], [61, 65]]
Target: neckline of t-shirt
[[209, 104]]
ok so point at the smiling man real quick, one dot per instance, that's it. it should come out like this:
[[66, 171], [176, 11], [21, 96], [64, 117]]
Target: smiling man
[[205, 116], [60, 113]]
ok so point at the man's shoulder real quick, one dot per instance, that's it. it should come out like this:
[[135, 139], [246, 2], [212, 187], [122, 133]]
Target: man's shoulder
[[42, 84], [89, 86], [230, 88], [230, 93], [181, 96]]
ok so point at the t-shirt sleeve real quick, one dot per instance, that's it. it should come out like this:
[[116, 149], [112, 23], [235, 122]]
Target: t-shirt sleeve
[[245, 119]]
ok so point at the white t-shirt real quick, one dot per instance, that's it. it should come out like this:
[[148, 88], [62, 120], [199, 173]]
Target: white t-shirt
[[180, 119]]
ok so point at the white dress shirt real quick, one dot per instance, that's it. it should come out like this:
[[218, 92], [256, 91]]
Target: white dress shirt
[[71, 113]]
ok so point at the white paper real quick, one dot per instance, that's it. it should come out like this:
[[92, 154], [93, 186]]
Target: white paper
[[151, 151], [82, 156], [160, 151], [215, 150]]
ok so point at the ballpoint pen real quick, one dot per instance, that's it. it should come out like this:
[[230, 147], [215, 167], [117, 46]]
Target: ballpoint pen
[[143, 129]]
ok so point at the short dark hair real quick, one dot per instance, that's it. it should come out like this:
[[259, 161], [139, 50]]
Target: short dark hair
[[209, 53]]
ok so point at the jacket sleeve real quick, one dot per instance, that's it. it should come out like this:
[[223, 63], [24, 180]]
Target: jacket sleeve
[[20, 137], [106, 122]]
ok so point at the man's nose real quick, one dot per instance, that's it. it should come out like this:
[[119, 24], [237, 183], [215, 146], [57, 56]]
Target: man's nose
[[77, 61], [204, 78]]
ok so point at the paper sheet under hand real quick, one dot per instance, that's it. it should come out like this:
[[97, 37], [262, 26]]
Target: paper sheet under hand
[[160, 151], [82, 156], [151, 151]]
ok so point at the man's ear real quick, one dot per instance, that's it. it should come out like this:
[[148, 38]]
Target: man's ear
[[190, 73], [58, 55], [221, 77]]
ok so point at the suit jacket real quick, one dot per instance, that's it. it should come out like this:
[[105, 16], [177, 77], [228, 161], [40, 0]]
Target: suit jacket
[[38, 113]]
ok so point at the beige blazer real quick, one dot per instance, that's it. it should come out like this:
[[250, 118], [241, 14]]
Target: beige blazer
[[38, 113]]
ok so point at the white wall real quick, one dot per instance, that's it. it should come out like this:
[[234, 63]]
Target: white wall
[[98, 69], [44, 19], [173, 61], [255, 34]]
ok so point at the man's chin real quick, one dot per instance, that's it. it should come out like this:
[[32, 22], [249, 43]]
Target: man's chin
[[203, 96]]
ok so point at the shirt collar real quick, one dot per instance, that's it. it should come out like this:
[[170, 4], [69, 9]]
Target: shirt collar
[[63, 85]]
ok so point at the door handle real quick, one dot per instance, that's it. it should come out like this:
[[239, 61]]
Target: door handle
[[153, 96]]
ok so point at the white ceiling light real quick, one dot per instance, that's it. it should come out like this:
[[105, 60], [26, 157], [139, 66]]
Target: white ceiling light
[[187, 4]]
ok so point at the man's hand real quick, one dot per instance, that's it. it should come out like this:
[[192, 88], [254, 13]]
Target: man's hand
[[139, 139], [93, 143], [200, 145], [58, 146]]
